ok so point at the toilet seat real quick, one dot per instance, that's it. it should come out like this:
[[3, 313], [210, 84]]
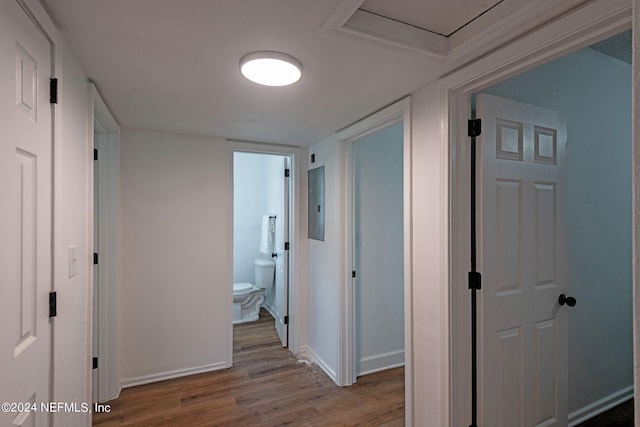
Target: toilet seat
[[242, 288]]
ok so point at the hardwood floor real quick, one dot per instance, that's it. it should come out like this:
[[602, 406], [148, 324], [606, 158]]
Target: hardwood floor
[[620, 416], [267, 386]]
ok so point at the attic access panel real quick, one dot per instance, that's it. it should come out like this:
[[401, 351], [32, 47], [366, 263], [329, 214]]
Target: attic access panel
[[316, 203], [442, 17]]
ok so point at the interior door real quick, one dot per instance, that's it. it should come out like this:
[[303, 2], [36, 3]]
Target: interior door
[[523, 361], [25, 217], [282, 263]]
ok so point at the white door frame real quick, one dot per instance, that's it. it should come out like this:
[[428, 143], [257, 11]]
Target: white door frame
[[397, 112], [595, 21], [105, 132], [296, 306]]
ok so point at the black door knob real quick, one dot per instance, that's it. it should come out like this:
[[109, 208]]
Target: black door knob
[[563, 299]]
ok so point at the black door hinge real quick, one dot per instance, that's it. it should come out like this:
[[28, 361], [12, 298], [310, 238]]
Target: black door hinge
[[95, 363], [53, 304], [353, 273], [286, 246], [286, 320], [95, 154], [474, 127], [475, 280], [53, 91], [95, 258], [286, 173]]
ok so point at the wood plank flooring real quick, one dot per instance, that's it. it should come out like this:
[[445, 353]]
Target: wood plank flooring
[[267, 386], [619, 416]]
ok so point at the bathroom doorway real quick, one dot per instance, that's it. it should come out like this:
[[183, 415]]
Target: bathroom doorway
[[261, 231]]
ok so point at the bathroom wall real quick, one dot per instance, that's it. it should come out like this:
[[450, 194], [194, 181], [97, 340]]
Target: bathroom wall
[[594, 91], [258, 191]]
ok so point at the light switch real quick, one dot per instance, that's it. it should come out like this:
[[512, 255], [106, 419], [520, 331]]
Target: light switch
[[73, 261]]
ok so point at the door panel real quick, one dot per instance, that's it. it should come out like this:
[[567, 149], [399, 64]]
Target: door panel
[[282, 292], [523, 257], [25, 217]]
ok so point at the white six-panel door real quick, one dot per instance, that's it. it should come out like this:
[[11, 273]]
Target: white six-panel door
[[25, 215], [523, 331]]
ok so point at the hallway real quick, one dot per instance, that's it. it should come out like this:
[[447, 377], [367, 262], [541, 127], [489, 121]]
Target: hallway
[[267, 387]]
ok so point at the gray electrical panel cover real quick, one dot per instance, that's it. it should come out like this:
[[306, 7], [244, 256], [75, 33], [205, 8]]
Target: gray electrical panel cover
[[316, 203]]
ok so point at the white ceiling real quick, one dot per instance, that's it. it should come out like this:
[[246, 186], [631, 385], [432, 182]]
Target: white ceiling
[[172, 66], [439, 16]]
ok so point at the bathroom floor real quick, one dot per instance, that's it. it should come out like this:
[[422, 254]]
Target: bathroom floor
[[267, 386]]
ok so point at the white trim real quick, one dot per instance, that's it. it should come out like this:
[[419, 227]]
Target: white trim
[[397, 34], [169, 375], [489, 31], [595, 21], [381, 362], [599, 406], [346, 374], [341, 14], [306, 352], [502, 24], [104, 131], [270, 308], [297, 272]]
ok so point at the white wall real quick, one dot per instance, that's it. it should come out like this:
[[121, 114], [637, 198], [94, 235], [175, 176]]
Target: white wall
[[175, 288], [324, 265], [594, 92], [74, 162], [379, 262], [258, 190]]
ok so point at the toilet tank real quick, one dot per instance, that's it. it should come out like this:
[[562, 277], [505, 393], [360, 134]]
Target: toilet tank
[[264, 270]]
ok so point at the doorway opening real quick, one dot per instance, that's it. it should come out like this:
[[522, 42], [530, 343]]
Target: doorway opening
[[378, 250], [262, 239], [361, 350], [554, 240]]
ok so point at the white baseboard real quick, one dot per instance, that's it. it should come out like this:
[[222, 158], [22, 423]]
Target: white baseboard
[[380, 362], [600, 406], [308, 353], [270, 308], [168, 375]]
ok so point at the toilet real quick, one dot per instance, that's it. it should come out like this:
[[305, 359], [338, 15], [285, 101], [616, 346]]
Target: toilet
[[248, 298]]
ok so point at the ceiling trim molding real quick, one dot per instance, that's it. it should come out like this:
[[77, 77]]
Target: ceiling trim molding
[[494, 29], [346, 18], [396, 33], [341, 14], [490, 31]]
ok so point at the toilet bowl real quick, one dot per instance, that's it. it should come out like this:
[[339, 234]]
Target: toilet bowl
[[247, 297]]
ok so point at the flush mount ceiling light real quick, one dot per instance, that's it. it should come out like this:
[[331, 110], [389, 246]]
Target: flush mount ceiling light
[[271, 68]]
